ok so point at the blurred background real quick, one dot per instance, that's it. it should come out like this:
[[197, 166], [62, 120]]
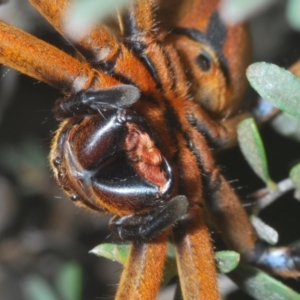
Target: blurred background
[[43, 236]]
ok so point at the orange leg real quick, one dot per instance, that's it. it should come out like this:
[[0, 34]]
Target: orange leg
[[231, 219], [96, 45], [195, 258], [143, 271], [44, 62], [150, 45], [237, 232], [220, 134], [194, 253], [142, 37], [39, 60], [221, 201]]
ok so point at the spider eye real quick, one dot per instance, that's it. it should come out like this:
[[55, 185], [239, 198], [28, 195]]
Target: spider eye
[[74, 198], [204, 61]]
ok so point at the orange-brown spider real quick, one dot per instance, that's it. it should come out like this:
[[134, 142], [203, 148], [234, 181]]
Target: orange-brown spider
[[140, 118]]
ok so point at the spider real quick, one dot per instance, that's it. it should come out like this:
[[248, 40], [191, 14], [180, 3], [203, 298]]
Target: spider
[[141, 119]]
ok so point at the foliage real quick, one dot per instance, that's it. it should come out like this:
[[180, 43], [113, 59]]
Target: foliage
[[234, 11], [67, 285]]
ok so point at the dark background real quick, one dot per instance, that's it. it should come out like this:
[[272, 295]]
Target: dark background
[[40, 230]]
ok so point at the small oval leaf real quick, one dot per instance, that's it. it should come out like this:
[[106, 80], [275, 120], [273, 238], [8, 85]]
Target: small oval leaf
[[287, 125], [293, 13], [276, 85], [112, 252], [69, 281], [227, 261], [264, 231], [260, 285], [36, 288], [234, 11], [253, 150], [295, 176], [84, 14]]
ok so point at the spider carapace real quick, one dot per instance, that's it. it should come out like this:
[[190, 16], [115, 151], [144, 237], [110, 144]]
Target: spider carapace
[[141, 119]]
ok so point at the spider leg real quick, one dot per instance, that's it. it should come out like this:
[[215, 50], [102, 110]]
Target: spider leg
[[283, 261], [233, 223], [219, 134], [20, 50], [99, 47], [146, 42], [85, 102], [138, 29], [146, 227], [228, 213], [143, 271], [44, 62], [194, 256], [193, 247], [220, 199]]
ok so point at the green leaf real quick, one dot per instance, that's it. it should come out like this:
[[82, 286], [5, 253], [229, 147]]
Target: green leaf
[[170, 266], [293, 13], [69, 281], [227, 261], [92, 8], [253, 150], [36, 288], [234, 11], [264, 231], [276, 85], [260, 285], [84, 14], [295, 176], [112, 252], [287, 126]]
